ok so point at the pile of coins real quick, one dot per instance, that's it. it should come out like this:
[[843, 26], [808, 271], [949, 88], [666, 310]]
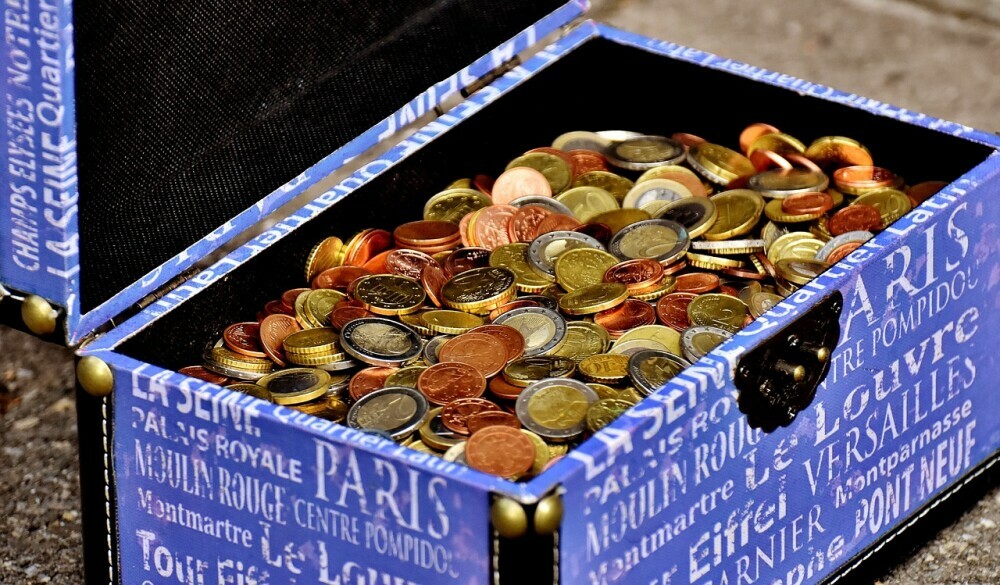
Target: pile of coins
[[522, 314]]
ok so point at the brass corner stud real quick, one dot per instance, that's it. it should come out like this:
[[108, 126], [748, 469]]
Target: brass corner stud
[[38, 315], [95, 376], [509, 518], [548, 514]]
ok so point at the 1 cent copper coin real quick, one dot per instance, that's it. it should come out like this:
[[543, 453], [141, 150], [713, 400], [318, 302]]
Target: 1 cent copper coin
[[493, 418], [807, 203], [672, 310], [697, 282], [923, 191], [525, 222], [368, 380], [456, 413], [628, 315], [859, 217], [484, 352], [491, 226], [500, 451], [339, 277], [447, 381], [273, 331], [513, 341], [764, 159], [201, 373], [244, 338], [687, 139], [518, 182]]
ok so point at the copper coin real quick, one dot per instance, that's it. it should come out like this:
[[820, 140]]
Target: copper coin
[[697, 282], [341, 316], [741, 273], [273, 331], [456, 413], [408, 263], [503, 389], [638, 274], [766, 263], [807, 203], [557, 222], [803, 161], [427, 232], [368, 380], [764, 159], [841, 252], [466, 259], [432, 278], [484, 183], [525, 222], [377, 263], [864, 177], [753, 132], [339, 277], [561, 154], [688, 140], [725, 289], [688, 179], [585, 161], [447, 381], [512, 340], [277, 308], [674, 268], [518, 304], [244, 338], [853, 218], [628, 315], [288, 297], [482, 351], [500, 451], [519, 182], [368, 245], [491, 226], [463, 230], [201, 373], [923, 191], [492, 418], [672, 310], [599, 231]]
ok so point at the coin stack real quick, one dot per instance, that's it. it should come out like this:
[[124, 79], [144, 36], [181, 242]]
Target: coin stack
[[522, 314]]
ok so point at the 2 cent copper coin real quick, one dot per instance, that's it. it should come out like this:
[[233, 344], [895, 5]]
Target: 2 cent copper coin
[[484, 352], [273, 331], [858, 217], [500, 451], [494, 418], [841, 252], [672, 310], [244, 338], [456, 413], [447, 381], [585, 161], [288, 297], [697, 282]]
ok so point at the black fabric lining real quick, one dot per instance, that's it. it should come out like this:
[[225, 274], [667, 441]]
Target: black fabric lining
[[530, 116], [190, 112]]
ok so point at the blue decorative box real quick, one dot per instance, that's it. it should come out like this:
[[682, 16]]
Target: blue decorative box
[[119, 191]]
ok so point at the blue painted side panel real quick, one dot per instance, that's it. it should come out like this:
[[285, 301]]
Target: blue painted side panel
[[214, 486], [38, 186], [681, 490]]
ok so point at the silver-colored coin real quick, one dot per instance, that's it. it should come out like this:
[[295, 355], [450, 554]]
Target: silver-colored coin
[[650, 369], [715, 245], [655, 194], [396, 411], [381, 342], [780, 183], [838, 241], [233, 372], [640, 153], [659, 239], [549, 203], [295, 385], [338, 366], [432, 347], [544, 330], [699, 340], [546, 248], [563, 424]]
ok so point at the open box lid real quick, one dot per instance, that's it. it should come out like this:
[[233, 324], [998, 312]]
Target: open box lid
[[139, 137]]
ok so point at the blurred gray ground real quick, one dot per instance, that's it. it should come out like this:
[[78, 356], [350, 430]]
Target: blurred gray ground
[[934, 56]]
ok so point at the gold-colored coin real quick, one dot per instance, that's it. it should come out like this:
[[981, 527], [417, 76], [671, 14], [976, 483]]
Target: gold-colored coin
[[718, 310], [777, 142], [320, 302], [838, 151], [607, 392], [325, 407], [821, 229], [799, 271], [556, 170], [542, 453], [319, 340], [587, 201], [250, 389], [416, 322], [421, 447], [774, 212], [316, 359], [296, 385], [594, 298], [558, 407], [762, 302], [454, 204], [463, 183], [405, 377], [389, 294], [658, 337], [583, 339], [617, 185], [719, 164], [618, 219], [231, 359], [582, 267], [514, 257], [527, 370], [665, 287], [604, 412], [479, 290], [738, 211], [678, 173], [327, 254], [609, 368], [891, 204], [450, 322], [299, 307], [709, 262], [731, 247], [435, 435], [558, 449], [796, 245]]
